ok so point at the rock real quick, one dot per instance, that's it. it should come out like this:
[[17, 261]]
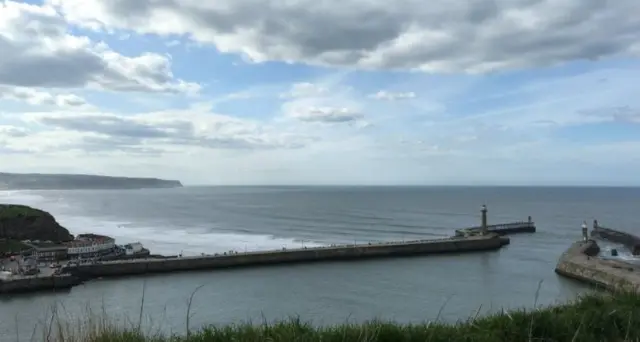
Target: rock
[[21, 222]]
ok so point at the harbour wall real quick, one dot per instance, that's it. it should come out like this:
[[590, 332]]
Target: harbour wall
[[630, 241], [581, 262], [35, 283], [501, 229], [316, 254]]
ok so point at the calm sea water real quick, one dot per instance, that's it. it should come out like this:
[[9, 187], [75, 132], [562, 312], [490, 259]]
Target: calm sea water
[[194, 220]]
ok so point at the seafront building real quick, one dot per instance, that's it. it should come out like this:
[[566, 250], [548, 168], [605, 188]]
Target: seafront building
[[47, 252], [133, 248], [84, 247], [89, 246]]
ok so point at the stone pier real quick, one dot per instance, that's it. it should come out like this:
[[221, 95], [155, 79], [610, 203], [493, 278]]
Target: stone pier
[[582, 262]]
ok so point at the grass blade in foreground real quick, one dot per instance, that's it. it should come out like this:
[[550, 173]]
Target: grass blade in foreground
[[595, 317]]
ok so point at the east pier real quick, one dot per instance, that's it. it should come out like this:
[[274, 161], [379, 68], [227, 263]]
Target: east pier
[[628, 240], [582, 262]]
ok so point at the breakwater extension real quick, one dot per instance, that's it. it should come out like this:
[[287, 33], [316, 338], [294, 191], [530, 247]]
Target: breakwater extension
[[630, 241], [315, 254], [484, 228], [501, 229], [581, 262]]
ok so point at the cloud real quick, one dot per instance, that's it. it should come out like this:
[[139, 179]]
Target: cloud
[[9, 133], [472, 36], [325, 114], [624, 114], [167, 131], [384, 95], [35, 97], [305, 89], [12, 131], [38, 50]]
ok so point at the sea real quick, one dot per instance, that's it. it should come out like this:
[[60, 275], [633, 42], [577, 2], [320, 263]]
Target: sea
[[195, 220]]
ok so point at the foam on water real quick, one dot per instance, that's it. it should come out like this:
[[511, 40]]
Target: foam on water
[[624, 253], [159, 239]]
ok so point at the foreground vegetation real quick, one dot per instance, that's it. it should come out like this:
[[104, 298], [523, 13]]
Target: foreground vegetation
[[593, 317]]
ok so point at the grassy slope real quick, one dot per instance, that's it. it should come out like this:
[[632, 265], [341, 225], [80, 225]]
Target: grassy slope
[[590, 318], [9, 211]]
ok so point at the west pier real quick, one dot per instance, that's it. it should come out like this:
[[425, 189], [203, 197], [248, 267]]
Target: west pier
[[486, 238]]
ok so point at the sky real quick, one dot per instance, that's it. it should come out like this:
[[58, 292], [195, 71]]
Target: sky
[[363, 92]]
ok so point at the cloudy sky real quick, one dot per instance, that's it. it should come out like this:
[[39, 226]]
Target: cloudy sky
[[323, 92]]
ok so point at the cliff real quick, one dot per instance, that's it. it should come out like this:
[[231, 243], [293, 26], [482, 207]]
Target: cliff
[[36, 181], [20, 222]]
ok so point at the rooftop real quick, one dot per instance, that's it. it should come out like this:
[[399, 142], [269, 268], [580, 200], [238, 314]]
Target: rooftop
[[91, 236], [88, 239]]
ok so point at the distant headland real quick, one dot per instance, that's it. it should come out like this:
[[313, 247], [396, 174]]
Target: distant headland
[[40, 181]]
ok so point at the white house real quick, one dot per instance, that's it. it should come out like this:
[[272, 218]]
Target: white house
[[133, 248]]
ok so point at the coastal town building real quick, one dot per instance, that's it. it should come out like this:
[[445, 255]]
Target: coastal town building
[[49, 252], [84, 247], [133, 248], [87, 246]]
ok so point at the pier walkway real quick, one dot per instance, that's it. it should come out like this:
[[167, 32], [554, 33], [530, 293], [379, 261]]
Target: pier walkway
[[299, 255], [580, 262]]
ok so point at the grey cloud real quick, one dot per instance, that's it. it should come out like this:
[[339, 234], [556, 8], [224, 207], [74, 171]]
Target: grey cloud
[[109, 144], [107, 125], [9, 150], [66, 69], [13, 131], [471, 36], [132, 134], [618, 114], [36, 50], [9, 133]]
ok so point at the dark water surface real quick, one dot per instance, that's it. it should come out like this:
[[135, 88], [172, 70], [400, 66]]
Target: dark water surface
[[215, 219]]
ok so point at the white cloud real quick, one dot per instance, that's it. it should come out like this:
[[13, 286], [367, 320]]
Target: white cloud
[[12, 131], [155, 132], [37, 97], [319, 130], [325, 114], [305, 89], [38, 50], [471, 36], [385, 95]]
